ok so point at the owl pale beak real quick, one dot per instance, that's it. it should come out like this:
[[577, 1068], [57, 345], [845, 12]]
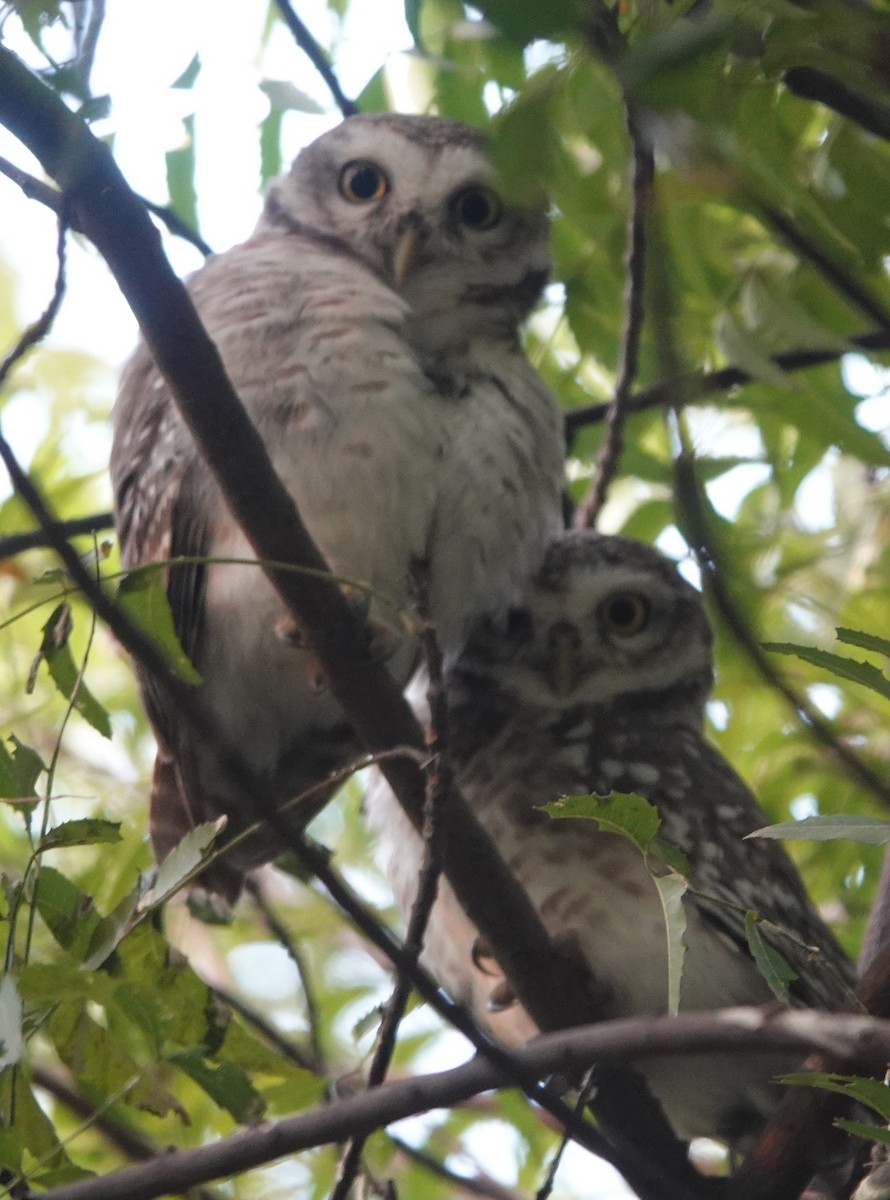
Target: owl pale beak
[[563, 666], [403, 254]]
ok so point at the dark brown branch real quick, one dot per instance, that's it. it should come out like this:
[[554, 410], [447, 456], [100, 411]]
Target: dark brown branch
[[689, 389], [51, 198], [128, 1141], [799, 1137], [833, 272], [813, 84], [860, 1042], [17, 543], [315, 54], [87, 38], [609, 457], [550, 988], [276, 1039], [439, 783], [473, 1185], [282, 935]]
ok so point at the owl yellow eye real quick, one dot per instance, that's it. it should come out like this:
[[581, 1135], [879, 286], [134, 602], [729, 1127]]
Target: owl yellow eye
[[362, 181], [625, 613], [477, 207]]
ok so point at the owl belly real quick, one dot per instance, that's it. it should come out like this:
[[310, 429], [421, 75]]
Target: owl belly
[[598, 901]]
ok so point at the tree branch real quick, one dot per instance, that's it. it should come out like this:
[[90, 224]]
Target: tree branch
[[51, 198], [439, 782], [315, 54], [799, 1137], [127, 1140], [813, 84], [551, 989], [856, 1040], [17, 543], [689, 389], [609, 457]]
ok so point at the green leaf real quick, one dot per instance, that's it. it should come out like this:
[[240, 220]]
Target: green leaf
[[871, 1133], [671, 889], [12, 1045], [625, 814], [181, 177], [68, 912], [19, 770], [533, 19], [224, 1083], [55, 651], [86, 831], [865, 641], [183, 860], [186, 80], [871, 831], [141, 595], [843, 668], [772, 966], [871, 1092], [110, 929]]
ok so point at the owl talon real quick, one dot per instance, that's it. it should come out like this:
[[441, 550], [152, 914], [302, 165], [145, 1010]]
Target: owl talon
[[289, 632], [480, 952], [500, 998]]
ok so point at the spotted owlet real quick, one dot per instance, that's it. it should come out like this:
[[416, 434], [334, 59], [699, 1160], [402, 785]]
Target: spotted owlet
[[598, 683], [370, 327]]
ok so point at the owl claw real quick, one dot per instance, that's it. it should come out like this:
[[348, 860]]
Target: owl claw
[[289, 632], [500, 998], [479, 953]]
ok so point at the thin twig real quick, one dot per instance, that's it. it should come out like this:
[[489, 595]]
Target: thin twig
[[316, 56], [87, 39], [585, 1094], [479, 1184], [832, 271], [439, 781], [17, 543], [39, 329], [609, 457], [685, 389], [694, 527], [860, 1042], [51, 198], [281, 1044], [124, 1138], [282, 935]]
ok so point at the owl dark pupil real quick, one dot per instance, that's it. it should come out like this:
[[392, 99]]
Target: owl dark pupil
[[475, 208], [364, 183], [623, 613]]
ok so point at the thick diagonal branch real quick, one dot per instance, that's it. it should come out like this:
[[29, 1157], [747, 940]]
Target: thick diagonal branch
[[116, 221]]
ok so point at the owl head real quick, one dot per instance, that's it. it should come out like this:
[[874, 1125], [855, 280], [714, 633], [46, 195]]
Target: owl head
[[417, 200], [606, 621]]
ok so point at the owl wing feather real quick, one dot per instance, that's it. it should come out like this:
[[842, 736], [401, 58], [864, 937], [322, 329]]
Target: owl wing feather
[[707, 811]]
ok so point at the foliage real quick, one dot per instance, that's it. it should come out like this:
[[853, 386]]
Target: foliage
[[767, 235]]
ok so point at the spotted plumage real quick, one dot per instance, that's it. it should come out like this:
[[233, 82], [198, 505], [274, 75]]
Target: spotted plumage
[[596, 684], [369, 325]]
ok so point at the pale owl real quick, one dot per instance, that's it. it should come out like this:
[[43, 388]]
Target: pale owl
[[596, 684], [370, 327]]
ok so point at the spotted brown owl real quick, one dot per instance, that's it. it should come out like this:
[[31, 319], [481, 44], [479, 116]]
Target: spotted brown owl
[[598, 683], [370, 327]]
